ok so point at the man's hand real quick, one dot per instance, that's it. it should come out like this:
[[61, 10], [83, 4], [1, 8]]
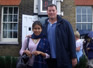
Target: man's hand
[[88, 49], [74, 62], [28, 36]]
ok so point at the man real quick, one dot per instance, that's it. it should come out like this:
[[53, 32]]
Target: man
[[61, 38]]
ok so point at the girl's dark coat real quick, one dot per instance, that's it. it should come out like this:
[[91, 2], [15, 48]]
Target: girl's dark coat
[[39, 61]]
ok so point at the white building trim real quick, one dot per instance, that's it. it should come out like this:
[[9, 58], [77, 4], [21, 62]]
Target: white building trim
[[38, 7]]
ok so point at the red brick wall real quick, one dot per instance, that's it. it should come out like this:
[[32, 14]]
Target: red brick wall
[[10, 2], [84, 2]]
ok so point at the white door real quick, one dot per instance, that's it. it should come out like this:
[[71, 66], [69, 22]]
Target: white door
[[27, 21]]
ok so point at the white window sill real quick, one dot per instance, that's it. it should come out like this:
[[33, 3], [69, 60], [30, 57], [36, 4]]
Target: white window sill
[[8, 42]]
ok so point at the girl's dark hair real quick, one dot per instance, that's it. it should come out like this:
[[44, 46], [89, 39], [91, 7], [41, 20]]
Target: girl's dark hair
[[36, 23]]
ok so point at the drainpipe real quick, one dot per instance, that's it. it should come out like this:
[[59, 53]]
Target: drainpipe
[[59, 2]]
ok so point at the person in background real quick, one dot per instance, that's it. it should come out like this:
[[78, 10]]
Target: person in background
[[61, 38], [39, 48], [79, 45], [88, 48]]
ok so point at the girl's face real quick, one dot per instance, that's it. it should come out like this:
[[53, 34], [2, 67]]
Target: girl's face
[[37, 30]]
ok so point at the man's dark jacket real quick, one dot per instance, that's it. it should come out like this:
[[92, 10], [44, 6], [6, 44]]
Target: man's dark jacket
[[65, 42]]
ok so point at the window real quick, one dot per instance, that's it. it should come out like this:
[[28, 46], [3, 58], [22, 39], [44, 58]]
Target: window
[[84, 18], [9, 24], [42, 19], [43, 4]]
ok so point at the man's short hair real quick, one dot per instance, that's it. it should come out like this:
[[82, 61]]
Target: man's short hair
[[51, 5]]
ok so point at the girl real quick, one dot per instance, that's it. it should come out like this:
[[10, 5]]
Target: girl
[[38, 47]]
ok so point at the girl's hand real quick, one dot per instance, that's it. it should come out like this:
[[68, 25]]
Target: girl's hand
[[39, 53], [28, 53], [36, 53]]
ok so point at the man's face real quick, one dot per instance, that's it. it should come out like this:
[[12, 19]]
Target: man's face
[[88, 39], [52, 12]]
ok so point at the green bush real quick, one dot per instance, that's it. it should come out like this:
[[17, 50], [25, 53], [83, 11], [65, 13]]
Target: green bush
[[2, 62], [82, 63], [14, 61], [8, 62]]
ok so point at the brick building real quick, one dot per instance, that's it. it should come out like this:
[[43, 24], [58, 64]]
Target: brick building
[[84, 15], [11, 12]]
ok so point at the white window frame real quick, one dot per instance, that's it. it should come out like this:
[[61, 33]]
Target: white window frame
[[9, 40], [39, 10], [86, 18]]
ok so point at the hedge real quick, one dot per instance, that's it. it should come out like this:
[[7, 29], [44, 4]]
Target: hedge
[[8, 62]]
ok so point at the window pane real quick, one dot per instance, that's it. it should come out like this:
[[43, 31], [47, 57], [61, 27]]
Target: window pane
[[9, 26], [4, 34], [89, 26], [83, 10], [10, 10], [9, 18], [15, 26], [78, 26], [83, 18], [78, 18], [42, 19], [89, 18], [78, 10], [15, 34], [15, 10], [45, 3], [4, 26], [5, 18], [89, 10], [9, 34], [84, 26], [5, 10], [15, 18]]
